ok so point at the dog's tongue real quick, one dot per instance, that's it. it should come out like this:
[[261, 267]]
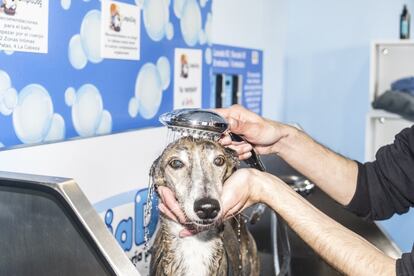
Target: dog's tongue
[[191, 231], [187, 233]]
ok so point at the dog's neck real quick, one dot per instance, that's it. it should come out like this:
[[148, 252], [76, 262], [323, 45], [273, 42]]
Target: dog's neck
[[200, 254]]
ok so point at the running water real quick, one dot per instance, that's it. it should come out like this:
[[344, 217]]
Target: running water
[[173, 135], [147, 213]]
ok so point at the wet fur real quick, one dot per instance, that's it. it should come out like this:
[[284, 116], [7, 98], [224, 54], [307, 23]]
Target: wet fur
[[212, 251]]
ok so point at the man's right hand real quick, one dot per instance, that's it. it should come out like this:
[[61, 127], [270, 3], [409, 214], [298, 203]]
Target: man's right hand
[[260, 133]]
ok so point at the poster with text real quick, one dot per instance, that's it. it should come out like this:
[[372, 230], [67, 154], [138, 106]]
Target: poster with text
[[187, 78], [237, 77], [24, 26], [120, 30]]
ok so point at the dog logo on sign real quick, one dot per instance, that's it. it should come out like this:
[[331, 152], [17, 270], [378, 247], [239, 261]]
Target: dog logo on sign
[[9, 7], [116, 20], [184, 66]]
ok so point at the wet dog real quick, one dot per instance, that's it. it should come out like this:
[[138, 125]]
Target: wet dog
[[195, 169]]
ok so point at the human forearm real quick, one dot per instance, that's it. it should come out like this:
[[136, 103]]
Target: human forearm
[[334, 174], [342, 248]]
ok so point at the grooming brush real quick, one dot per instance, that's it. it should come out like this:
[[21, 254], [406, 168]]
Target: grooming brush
[[206, 124]]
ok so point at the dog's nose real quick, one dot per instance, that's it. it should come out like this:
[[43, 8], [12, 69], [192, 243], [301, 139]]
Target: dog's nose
[[206, 208]]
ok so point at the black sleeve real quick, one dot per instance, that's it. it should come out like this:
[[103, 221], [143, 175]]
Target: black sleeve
[[386, 186], [405, 265]]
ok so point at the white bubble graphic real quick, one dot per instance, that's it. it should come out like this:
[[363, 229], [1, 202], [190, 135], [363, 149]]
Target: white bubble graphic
[[156, 18], [9, 52], [190, 22], [203, 3], [5, 82], [178, 7], [208, 55], [57, 129], [148, 90], [87, 110], [8, 95], [169, 31], [33, 113], [4, 110], [90, 33], [207, 28], [77, 56], [140, 2], [133, 107], [10, 98], [105, 126], [70, 96], [164, 68], [202, 39], [65, 4], [1, 145]]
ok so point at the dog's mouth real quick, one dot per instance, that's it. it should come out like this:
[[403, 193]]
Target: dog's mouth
[[197, 226], [205, 222], [200, 225]]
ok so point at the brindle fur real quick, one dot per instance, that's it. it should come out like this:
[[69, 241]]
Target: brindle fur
[[167, 255]]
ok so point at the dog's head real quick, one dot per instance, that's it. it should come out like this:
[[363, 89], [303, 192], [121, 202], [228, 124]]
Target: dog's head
[[195, 169]]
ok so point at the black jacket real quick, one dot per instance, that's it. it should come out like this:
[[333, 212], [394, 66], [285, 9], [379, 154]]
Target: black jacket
[[386, 187]]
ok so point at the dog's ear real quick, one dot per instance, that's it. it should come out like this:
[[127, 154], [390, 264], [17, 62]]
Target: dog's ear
[[232, 162], [157, 173]]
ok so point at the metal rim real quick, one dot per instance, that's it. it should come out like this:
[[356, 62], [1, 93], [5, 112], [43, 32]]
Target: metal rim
[[194, 118]]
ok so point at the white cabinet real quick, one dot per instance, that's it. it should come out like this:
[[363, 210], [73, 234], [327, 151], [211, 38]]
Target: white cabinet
[[389, 61], [381, 129]]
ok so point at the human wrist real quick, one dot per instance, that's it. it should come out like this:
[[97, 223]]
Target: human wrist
[[256, 185], [289, 135], [262, 186]]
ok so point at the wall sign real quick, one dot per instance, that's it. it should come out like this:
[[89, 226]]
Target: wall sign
[[237, 77], [120, 30], [24, 26], [188, 78]]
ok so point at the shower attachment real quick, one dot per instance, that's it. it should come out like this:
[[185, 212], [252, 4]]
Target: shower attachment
[[205, 124]]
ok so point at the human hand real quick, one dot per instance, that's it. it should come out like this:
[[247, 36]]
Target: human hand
[[170, 208], [241, 190], [260, 133], [169, 205]]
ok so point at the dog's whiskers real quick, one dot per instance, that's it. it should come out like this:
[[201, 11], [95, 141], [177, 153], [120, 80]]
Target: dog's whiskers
[[244, 216], [176, 209], [235, 217]]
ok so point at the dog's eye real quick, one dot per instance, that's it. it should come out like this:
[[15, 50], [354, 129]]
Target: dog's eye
[[176, 164], [219, 161]]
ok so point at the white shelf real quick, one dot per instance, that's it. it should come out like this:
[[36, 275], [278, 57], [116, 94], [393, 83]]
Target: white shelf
[[393, 42], [390, 60], [378, 113]]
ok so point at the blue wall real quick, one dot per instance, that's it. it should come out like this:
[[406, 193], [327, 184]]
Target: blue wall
[[326, 78], [72, 92]]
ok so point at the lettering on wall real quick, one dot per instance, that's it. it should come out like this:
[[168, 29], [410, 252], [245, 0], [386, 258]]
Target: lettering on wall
[[124, 218]]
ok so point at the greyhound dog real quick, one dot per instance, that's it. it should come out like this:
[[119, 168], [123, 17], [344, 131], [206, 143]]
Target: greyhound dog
[[195, 169]]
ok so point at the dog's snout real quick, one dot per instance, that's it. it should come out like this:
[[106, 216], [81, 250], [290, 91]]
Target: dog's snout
[[207, 208]]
